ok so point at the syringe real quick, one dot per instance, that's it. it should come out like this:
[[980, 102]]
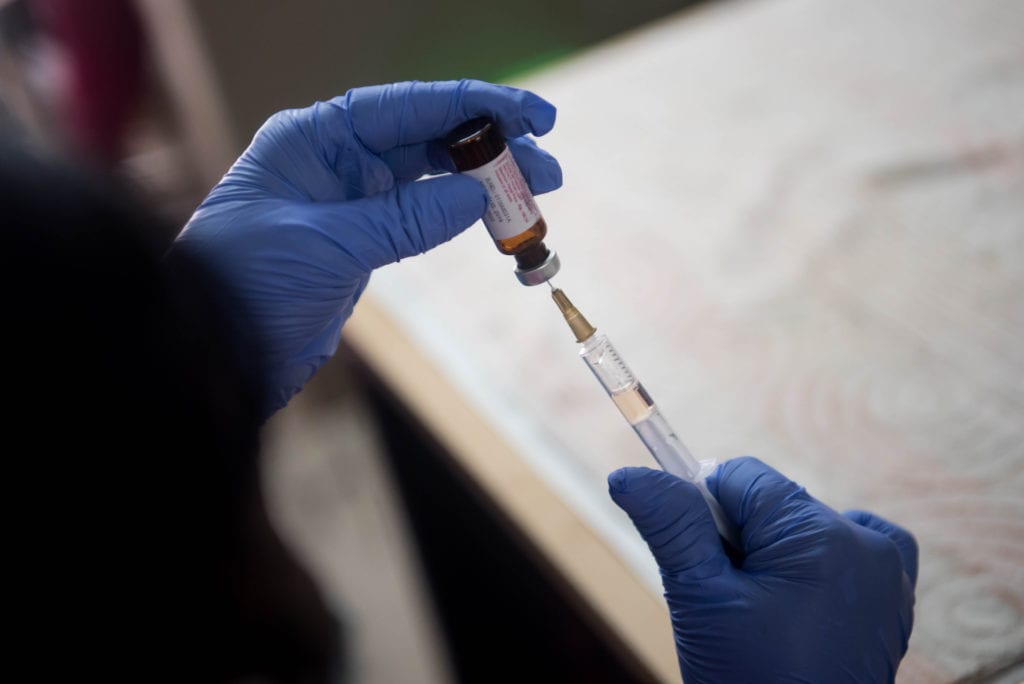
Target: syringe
[[638, 408]]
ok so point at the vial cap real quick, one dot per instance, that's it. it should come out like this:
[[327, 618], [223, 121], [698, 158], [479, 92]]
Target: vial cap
[[542, 273], [474, 143]]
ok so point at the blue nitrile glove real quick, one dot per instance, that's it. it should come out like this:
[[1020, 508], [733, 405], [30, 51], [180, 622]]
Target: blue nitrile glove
[[326, 194], [817, 597]]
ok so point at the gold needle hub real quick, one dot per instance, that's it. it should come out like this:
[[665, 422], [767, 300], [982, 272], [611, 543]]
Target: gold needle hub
[[579, 325]]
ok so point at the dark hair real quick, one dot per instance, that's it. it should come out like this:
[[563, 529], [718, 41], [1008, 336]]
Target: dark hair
[[141, 539]]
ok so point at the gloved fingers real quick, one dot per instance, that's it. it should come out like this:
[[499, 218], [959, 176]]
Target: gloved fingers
[[904, 541], [539, 167], [763, 503], [906, 613], [671, 516], [407, 220], [389, 116], [409, 162]]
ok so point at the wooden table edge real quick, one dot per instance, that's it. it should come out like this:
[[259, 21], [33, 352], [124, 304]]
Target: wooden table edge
[[628, 609]]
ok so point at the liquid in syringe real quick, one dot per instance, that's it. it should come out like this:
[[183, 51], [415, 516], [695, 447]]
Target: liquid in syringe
[[640, 411]]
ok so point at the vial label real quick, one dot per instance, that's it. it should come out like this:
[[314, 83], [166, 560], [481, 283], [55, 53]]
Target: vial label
[[511, 208]]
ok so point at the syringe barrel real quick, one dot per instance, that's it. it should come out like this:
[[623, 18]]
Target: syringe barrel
[[608, 367], [639, 409], [666, 447]]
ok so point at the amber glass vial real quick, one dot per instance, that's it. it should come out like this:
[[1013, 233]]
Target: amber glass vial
[[478, 149]]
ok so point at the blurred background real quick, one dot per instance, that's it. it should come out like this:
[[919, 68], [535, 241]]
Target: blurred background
[[170, 92], [164, 94]]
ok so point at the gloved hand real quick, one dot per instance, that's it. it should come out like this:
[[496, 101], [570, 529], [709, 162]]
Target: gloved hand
[[326, 194], [816, 597]]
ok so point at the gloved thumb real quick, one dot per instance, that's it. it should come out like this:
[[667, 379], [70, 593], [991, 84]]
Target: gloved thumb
[[671, 516], [405, 221]]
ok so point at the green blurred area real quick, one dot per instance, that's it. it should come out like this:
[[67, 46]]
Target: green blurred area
[[268, 55]]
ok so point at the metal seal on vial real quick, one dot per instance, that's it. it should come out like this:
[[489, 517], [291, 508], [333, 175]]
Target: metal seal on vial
[[542, 273]]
